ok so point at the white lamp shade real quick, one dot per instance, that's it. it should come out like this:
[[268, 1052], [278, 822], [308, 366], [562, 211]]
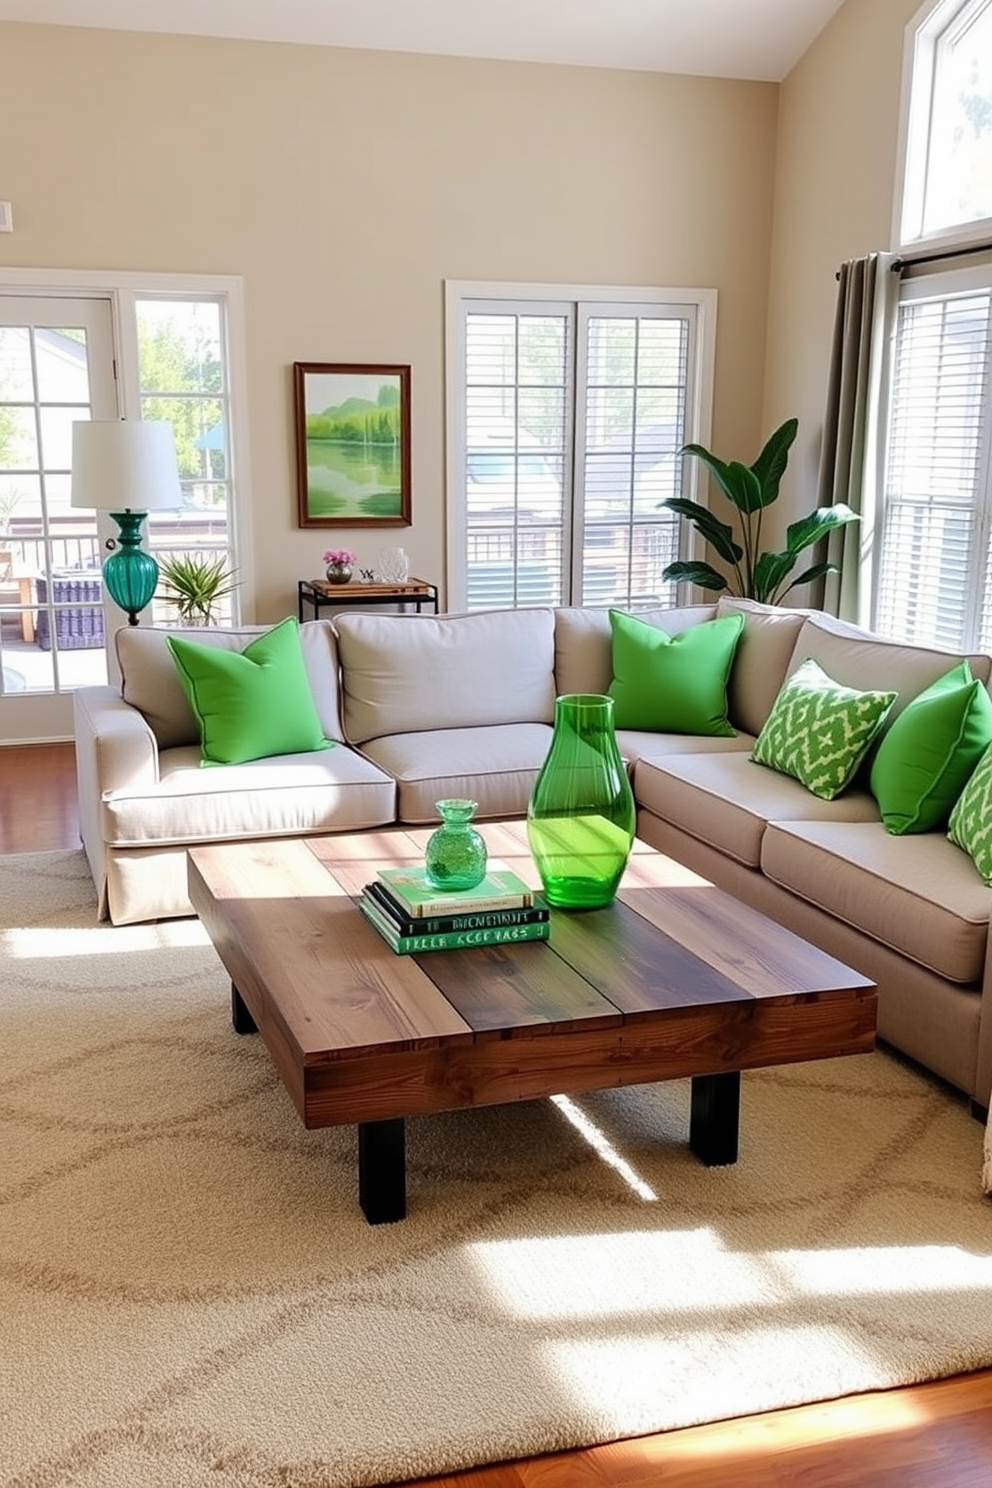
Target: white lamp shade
[[125, 464]]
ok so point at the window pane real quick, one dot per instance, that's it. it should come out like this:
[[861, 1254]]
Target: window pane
[[959, 157], [15, 365], [634, 425], [63, 366], [931, 570], [184, 382], [179, 346]]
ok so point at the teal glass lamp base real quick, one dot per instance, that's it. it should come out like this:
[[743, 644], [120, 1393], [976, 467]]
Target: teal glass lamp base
[[581, 815], [130, 573]]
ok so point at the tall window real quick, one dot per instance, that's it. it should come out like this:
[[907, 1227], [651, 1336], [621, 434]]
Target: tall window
[[182, 372], [947, 132], [934, 553], [935, 567], [566, 415]]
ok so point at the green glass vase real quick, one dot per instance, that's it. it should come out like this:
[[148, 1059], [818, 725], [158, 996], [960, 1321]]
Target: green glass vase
[[581, 816], [455, 857]]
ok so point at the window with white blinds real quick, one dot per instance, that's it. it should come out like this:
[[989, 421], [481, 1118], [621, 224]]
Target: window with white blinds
[[935, 556], [566, 416]]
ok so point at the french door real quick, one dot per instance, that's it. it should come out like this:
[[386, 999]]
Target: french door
[[57, 365]]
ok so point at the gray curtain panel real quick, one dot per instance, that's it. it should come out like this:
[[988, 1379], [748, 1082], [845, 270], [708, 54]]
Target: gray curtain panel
[[864, 325]]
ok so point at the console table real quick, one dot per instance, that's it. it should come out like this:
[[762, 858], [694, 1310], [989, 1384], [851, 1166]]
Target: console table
[[318, 594]]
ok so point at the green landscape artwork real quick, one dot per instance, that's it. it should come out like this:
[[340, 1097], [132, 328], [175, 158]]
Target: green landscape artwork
[[353, 444]]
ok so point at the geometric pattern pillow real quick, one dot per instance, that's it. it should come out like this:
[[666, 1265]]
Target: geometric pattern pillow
[[819, 731], [970, 826]]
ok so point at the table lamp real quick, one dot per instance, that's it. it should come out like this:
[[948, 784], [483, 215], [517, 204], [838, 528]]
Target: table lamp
[[126, 467]]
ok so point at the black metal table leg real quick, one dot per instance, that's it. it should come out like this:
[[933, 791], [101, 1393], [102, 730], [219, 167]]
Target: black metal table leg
[[715, 1118], [382, 1170], [240, 1016]]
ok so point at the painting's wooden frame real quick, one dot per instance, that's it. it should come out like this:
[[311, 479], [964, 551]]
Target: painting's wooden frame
[[320, 385]]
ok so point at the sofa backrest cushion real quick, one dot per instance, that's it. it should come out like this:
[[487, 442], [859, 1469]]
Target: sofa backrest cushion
[[150, 681], [404, 674], [584, 642], [761, 660], [858, 658]]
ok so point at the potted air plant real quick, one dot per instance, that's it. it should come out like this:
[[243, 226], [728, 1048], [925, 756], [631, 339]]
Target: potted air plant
[[196, 583]]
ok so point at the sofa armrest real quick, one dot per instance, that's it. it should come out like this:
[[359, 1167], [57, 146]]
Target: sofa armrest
[[115, 748]]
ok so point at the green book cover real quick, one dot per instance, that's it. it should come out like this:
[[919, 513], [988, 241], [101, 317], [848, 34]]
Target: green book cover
[[453, 940], [500, 889], [468, 919]]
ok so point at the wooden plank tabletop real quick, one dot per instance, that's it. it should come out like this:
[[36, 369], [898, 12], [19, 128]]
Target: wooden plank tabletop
[[675, 978]]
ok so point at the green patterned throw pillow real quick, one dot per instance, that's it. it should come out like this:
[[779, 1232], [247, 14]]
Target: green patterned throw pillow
[[819, 731], [970, 826]]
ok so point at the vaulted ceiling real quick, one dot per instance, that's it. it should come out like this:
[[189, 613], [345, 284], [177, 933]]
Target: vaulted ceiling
[[759, 39]]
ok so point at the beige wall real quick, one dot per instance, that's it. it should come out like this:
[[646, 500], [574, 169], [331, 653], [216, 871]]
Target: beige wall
[[837, 149], [345, 187]]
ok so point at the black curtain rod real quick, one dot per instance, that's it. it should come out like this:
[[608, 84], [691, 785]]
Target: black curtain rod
[[922, 258], [898, 264]]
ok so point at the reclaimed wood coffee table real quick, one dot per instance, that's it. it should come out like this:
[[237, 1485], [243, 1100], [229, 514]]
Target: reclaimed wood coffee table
[[674, 980]]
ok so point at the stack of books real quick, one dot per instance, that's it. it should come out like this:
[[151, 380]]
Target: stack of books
[[412, 915]]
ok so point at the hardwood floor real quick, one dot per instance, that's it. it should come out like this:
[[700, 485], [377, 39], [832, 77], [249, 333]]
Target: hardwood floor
[[936, 1435]]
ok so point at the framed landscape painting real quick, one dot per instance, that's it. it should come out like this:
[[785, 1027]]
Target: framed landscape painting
[[352, 444]]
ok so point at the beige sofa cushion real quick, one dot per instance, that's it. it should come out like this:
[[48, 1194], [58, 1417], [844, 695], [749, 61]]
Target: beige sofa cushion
[[150, 682], [584, 642], [919, 895], [335, 790], [856, 658], [726, 800], [495, 766], [403, 674], [762, 658]]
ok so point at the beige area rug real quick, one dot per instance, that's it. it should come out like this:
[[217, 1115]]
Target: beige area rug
[[189, 1297]]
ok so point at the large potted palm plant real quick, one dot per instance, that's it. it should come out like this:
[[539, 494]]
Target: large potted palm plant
[[751, 489]]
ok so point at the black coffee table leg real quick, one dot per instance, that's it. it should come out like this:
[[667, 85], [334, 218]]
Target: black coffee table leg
[[382, 1170], [240, 1016], [715, 1118]]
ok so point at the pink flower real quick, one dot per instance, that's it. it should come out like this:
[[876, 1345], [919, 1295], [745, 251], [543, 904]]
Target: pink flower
[[339, 556]]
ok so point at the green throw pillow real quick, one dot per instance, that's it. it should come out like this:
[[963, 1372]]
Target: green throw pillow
[[673, 684], [819, 731], [251, 703], [970, 826], [924, 761]]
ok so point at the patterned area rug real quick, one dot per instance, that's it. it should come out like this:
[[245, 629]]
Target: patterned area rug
[[189, 1297]]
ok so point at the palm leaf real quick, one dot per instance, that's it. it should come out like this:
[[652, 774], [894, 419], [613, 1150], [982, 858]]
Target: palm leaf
[[701, 574], [720, 535], [770, 465], [817, 524]]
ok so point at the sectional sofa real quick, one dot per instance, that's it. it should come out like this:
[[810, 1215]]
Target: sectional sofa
[[420, 707]]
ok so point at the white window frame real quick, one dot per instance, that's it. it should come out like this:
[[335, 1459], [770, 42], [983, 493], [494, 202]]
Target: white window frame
[[923, 34], [457, 292], [938, 283], [123, 289]]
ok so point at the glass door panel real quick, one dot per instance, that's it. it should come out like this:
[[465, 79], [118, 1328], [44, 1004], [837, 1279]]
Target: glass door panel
[[56, 366]]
